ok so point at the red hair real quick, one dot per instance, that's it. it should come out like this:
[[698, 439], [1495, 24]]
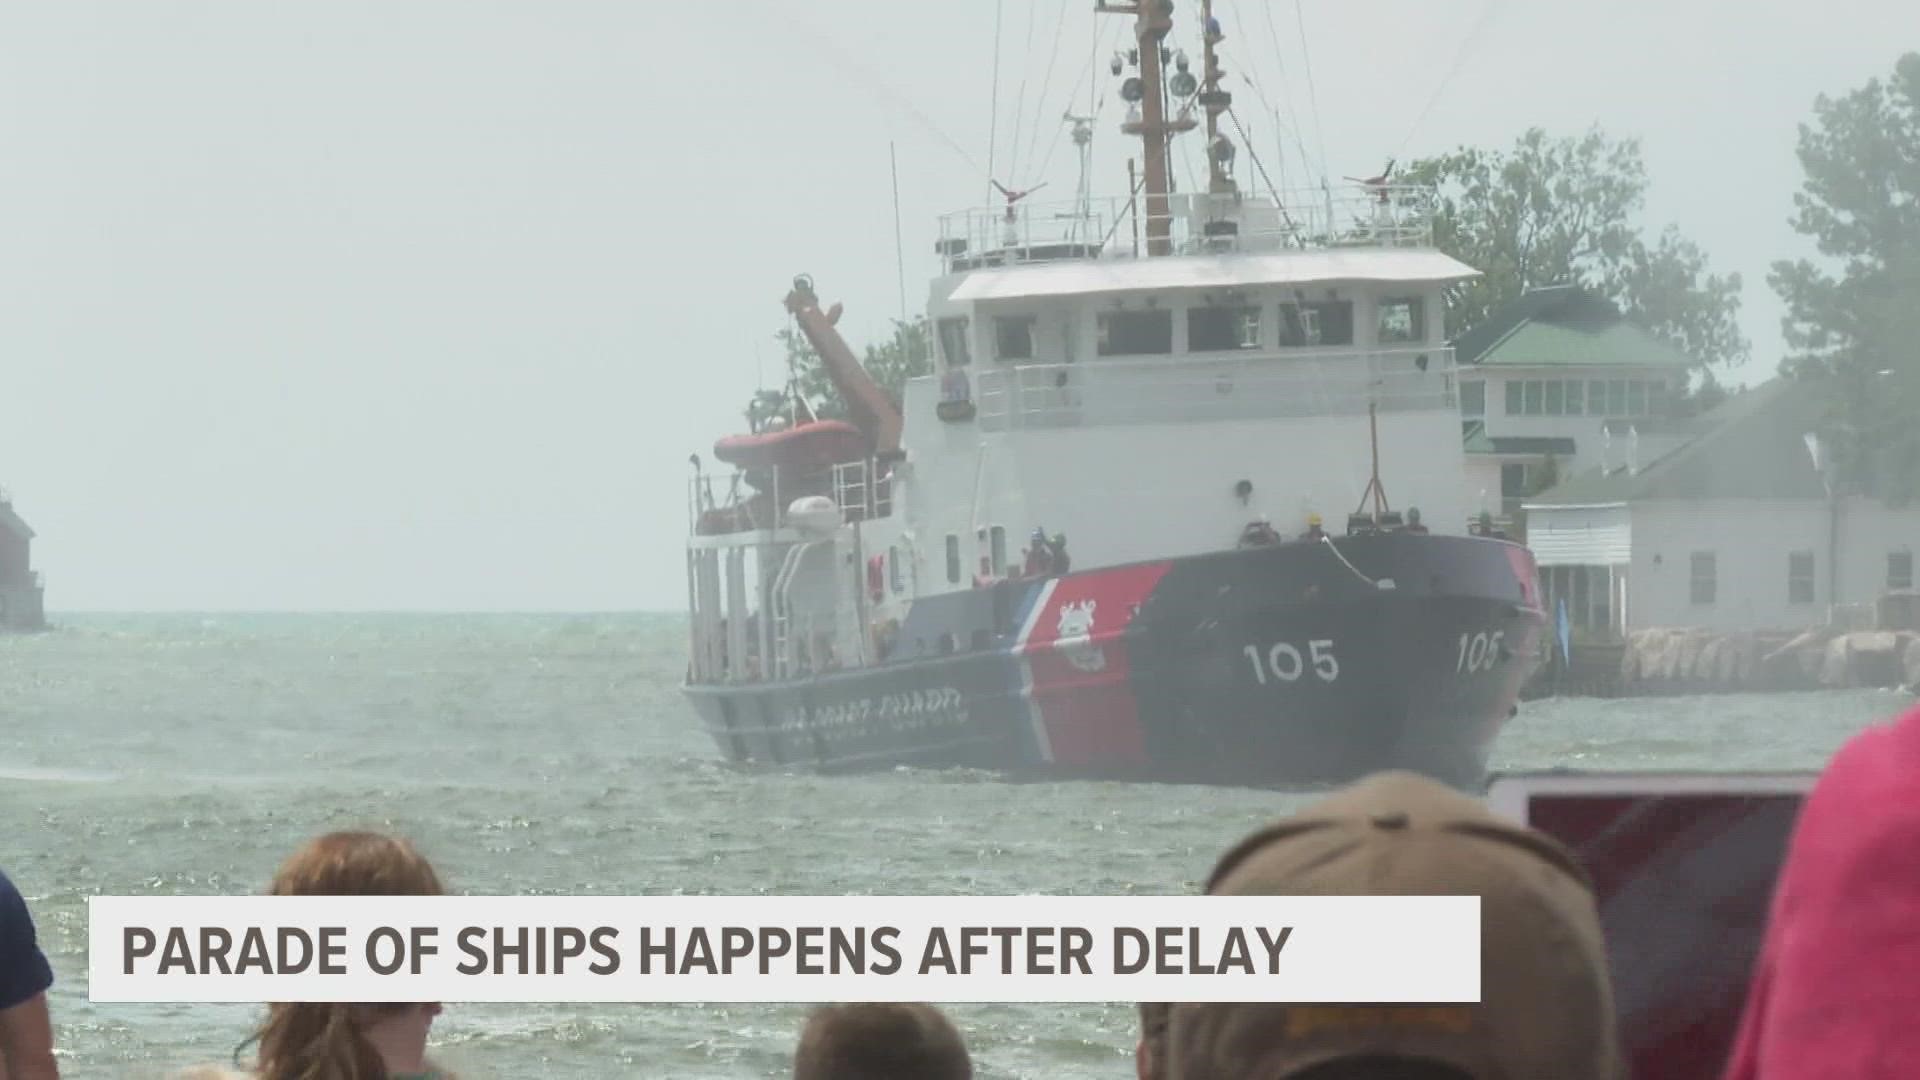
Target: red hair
[[327, 1040]]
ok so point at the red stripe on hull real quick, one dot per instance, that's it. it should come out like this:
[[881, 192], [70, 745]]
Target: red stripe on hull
[[1080, 674]]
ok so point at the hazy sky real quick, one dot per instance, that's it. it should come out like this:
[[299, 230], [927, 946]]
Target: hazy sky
[[423, 305]]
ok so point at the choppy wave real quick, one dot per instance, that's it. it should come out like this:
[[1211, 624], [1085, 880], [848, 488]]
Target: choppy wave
[[552, 754]]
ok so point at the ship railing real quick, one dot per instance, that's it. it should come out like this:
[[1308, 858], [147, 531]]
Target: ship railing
[[742, 508], [1197, 223], [1190, 389], [861, 489]]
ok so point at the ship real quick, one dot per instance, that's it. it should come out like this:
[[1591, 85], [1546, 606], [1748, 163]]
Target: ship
[[1090, 542]]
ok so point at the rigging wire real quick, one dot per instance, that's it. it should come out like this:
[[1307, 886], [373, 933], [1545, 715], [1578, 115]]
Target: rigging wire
[[1465, 49], [1095, 102], [1281, 130], [993, 112], [1286, 94], [1313, 96], [885, 93], [1020, 101], [1279, 203], [1046, 83]]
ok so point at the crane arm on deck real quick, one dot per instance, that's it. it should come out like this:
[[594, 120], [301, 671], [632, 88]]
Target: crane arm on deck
[[871, 410]]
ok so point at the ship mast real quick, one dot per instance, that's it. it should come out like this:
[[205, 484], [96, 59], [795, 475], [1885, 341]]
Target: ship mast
[[1215, 101], [1153, 20]]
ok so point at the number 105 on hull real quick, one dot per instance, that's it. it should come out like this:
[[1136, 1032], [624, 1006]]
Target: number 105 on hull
[[1283, 662]]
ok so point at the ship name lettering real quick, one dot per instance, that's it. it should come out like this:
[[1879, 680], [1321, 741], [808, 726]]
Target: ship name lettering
[[1285, 663], [908, 709]]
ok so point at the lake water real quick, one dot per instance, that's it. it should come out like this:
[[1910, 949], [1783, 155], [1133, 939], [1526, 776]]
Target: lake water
[[552, 754]]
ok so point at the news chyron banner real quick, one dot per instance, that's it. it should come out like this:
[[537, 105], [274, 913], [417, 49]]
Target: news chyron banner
[[1366, 949]]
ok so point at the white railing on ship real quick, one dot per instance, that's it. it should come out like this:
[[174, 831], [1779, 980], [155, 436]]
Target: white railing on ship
[[1118, 226], [862, 490], [1192, 389]]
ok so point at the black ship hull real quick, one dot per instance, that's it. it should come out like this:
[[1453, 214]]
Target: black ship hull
[[1296, 665]]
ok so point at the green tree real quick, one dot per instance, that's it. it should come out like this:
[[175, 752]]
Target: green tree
[[1853, 320], [1560, 211], [891, 363]]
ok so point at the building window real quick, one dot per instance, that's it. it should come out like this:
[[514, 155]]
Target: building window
[[1556, 397], [997, 548], [1136, 333], [1596, 398], [1636, 398], [1800, 577], [1222, 329], [953, 342], [1575, 399], [1013, 337], [1705, 577], [1473, 397], [1513, 398], [1326, 323], [953, 558], [1513, 481], [1402, 321], [1899, 570], [1617, 398], [1536, 397]]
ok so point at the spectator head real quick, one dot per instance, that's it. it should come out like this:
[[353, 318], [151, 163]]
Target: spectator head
[[881, 1042], [26, 1031], [1833, 992], [1150, 1056], [1546, 1005], [301, 1040]]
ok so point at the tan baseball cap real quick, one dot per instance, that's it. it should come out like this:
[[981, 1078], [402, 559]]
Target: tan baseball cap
[[1546, 1005]]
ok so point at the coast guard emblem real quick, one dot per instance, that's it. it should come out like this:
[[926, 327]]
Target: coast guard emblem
[[1073, 636]]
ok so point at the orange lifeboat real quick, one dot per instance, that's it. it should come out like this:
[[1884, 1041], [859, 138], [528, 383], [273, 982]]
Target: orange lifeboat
[[814, 445]]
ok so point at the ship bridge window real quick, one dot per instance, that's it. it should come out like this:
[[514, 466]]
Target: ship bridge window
[[1136, 333], [1402, 321], [953, 558], [1221, 329], [1013, 337], [1325, 323], [898, 579], [953, 341], [997, 548]]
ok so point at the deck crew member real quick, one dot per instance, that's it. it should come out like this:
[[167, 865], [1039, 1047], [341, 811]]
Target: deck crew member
[[1314, 533], [1057, 552], [1413, 521], [1039, 558], [1259, 533]]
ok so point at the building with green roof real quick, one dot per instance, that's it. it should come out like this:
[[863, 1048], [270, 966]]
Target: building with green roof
[[1550, 382]]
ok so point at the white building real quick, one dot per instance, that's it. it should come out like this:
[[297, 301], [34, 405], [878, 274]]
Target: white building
[[1732, 531], [1550, 382]]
